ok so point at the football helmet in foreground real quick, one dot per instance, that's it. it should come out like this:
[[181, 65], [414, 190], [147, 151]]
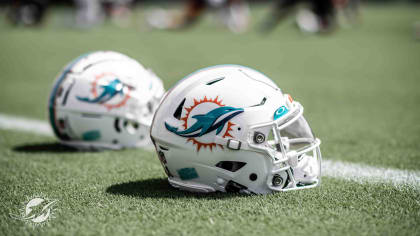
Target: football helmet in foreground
[[231, 129], [104, 100]]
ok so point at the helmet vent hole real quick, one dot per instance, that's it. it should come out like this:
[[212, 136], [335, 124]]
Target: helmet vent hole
[[215, 81], [117, 125], [66, 95], [261, 103], [253, 177], [178, 110], [231, 166]]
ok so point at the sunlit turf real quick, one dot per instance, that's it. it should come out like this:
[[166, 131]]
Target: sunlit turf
[[359, 87], [125, 192]]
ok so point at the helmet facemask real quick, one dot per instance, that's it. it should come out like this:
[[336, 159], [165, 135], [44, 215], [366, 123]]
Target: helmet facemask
[[293, 148]]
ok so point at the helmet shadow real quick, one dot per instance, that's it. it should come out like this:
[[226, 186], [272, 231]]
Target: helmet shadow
[[160, 188], [54, 147]]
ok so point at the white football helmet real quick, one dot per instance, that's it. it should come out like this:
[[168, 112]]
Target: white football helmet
[[230, 128], [104, 100]]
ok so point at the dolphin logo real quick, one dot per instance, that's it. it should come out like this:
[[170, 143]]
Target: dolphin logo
[[109, 91], [36, 210], [206, 123], [37, 215]]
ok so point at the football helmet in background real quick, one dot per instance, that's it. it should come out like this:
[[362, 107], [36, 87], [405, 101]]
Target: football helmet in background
[[104, 100], [231, 129]]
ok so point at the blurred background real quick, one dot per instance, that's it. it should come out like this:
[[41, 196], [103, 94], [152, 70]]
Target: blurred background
[[354, 65], [311, 16]]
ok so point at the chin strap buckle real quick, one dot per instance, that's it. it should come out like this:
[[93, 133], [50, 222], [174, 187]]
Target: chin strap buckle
[[231, 144]]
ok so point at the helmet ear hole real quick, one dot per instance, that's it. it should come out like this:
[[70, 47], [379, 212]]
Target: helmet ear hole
[[253, 177], [131, 126]]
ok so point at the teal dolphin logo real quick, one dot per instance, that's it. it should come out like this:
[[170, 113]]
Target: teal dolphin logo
[[207, 123], [280, 112], [110, 90]]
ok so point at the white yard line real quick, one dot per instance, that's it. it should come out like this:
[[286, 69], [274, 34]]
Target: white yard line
[[366, 173], [335, 169], [26, 125]]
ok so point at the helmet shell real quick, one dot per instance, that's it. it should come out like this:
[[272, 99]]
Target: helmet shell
[[104, 99], [202, 160]]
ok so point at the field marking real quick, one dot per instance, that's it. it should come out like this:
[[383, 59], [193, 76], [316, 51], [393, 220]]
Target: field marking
[[335, 169], [9, 122], [365, 173]]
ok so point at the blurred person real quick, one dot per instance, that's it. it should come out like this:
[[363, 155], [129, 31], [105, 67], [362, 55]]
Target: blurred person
[[233, 13], [319, 17], [349, 9], [93, 12], [118, 11], [27, 12], [89, 13]]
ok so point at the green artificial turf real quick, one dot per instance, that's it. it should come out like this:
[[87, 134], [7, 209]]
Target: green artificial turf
[[359, 87], [126, 192]]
